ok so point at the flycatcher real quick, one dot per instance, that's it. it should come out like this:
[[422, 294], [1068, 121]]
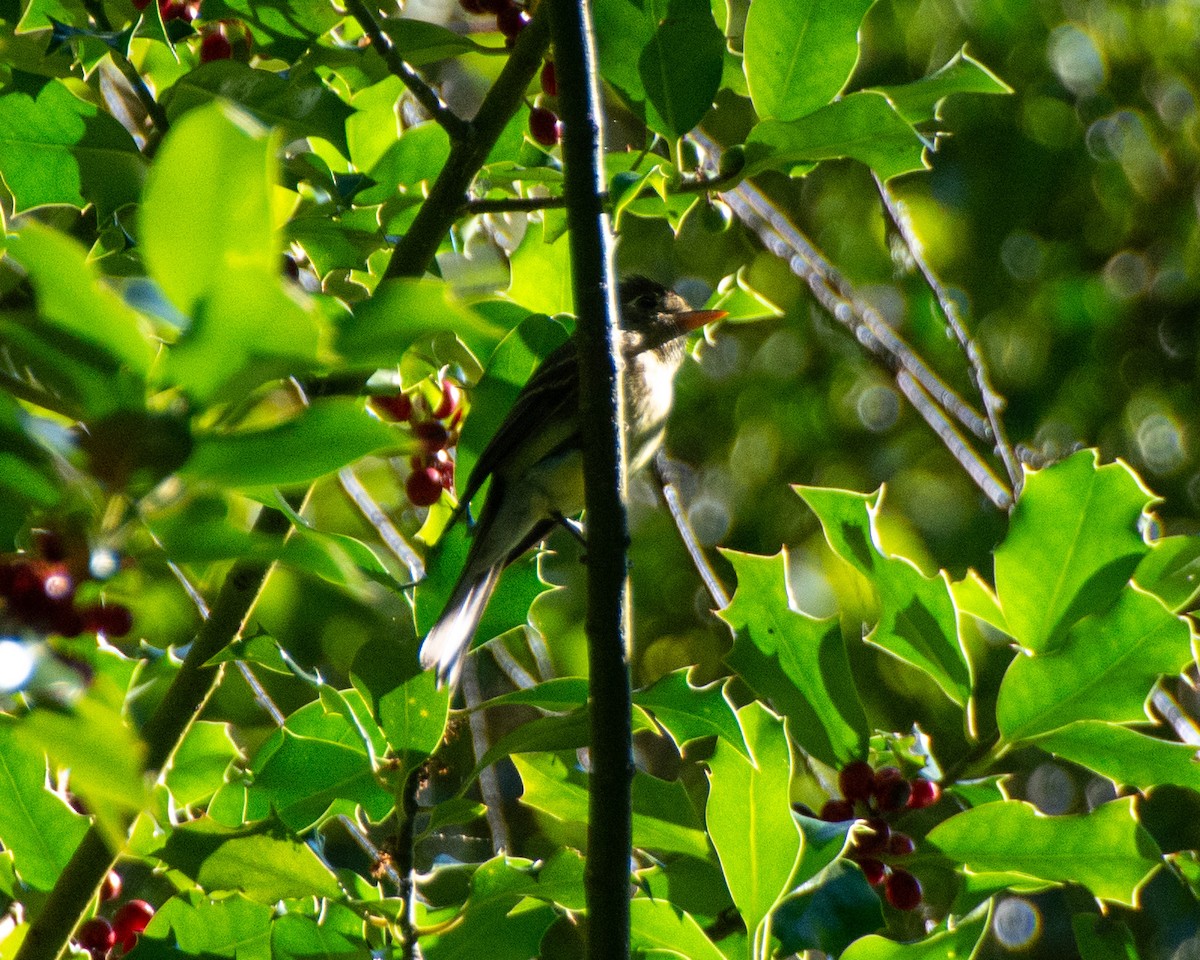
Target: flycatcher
[[535, 459]]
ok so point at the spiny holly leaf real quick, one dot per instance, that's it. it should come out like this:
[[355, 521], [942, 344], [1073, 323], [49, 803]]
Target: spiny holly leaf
[[37, 827], [233, 927], [664, 56], [1072, 545], [553, 788], [58, 149], [1106, 850], [1171, 571], [263, 863], [1125, 756], [661, 929], [800, 53], [796, 661], [863, 126], [322, 438], [961, 941], [1103, 669], [689, 712], [918, 622], [921, 100], [199, 764], [749, 815], [296, 937]]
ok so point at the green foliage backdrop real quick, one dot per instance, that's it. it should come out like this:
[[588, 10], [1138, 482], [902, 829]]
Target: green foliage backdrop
[[246, 298]]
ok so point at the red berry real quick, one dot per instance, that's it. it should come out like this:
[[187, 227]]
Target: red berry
[[424, 486], [835, 811], [114, 620], [177, 10], [511, 20], [873, 840], [549, 79], [395, 406], [445, 467], [433, 435], [110, 889], [900, 845], [891, 789], [131, 920], [141, 4], [903, 890], [97, 937], [67, 622], [215, 46], [873, 870], [451, 396], [925, 793], [39, 590], [50, 546], [544, 126], [856, 781]]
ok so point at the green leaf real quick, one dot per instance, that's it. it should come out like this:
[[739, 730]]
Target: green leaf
[[283, 28], [962, 941], [421, 43], [298, 105], [261, 863], [541, 274], [689, 712], [829, 915], [664, 56], [308, 780], [799, 662], [413, 717], [233, 927], [106, 758], [59, 149], [406, 311], [294, 937], [1103, 938], [416, 157], [553, 788], [1171, 571], [799, 54], [37, 826], [198, 765], [749, 815], [1072, 545], [974, 596], [72, 299], [215, 172], [659, 928], [1105, 850], [1125, 756], [1103, 669], [320, 439], [921, 101], [918, 623], [862, 126]]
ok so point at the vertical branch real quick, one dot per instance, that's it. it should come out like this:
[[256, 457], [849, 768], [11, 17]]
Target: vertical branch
[[610, 831]]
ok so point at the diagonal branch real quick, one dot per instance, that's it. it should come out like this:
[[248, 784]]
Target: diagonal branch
[[452, 123]]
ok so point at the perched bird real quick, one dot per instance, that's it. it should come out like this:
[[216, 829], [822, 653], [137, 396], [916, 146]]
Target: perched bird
[[535, 459]]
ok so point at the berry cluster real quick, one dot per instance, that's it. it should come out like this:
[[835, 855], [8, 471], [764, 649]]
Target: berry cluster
[[225, 40], [99, 936], [39, 591], [511, 19], [173, 9], [873, 795], [436, 428]]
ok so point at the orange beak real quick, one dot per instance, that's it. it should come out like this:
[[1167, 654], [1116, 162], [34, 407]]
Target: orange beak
[[694, 319]]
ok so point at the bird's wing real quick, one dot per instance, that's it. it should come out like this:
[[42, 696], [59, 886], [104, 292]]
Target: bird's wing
[[544, 417]]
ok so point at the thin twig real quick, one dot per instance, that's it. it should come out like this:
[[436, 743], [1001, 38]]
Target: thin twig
[[512, 205], [372, 851], [374, 514], [454, 125], [416, 249], [152, 107], [489, 783], [993, 403], [665, 472], [977, 468]]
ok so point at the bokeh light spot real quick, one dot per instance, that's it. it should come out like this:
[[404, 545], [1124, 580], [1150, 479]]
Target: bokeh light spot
[[16, 665], [1051, 789], [1016, 923], [1074, 57]]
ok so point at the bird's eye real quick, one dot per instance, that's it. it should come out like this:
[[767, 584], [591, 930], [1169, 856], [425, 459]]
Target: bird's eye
[[646, 301]]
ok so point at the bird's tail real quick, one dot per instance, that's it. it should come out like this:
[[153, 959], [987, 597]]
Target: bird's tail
[[448, 641]]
